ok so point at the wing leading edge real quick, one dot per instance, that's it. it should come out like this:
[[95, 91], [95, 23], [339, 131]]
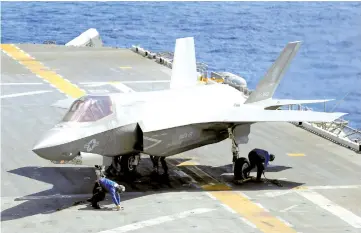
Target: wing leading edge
[[275, 103]]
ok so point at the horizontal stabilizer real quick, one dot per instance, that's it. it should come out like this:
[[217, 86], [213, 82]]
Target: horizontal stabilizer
[[64, 103], [275, 103]]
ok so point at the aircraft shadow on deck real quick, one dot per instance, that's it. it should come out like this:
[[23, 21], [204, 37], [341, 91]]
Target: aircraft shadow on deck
[[80, 180]]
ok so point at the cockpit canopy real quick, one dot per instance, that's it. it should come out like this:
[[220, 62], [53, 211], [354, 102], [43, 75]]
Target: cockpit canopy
[[89, 108]]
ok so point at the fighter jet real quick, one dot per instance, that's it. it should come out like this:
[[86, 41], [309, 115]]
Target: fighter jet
[[115, 129]]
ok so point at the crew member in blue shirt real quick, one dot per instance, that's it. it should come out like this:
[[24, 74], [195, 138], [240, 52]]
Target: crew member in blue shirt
[[102, 186], [257, 157]]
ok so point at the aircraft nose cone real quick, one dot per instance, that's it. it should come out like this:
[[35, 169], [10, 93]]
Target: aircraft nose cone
[[53, 146], [40, 151], [46, 147]]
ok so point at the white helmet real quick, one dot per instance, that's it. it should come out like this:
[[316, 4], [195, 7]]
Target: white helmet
[[120, 189]]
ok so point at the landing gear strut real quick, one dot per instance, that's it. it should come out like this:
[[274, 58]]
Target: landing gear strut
[[125, 164], [239, 163], [155, 161]]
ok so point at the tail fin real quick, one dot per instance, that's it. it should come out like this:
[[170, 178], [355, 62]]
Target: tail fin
[[184, 70], [268, 85]]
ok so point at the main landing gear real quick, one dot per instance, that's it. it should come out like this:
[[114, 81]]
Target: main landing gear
[[239, 163], [155, 161], [125, 164]]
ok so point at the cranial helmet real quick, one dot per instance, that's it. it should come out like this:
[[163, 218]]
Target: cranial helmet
[[120, 189], [272, 157]]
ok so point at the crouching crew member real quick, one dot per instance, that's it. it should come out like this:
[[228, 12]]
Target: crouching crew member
[[257, 157], [103, 186]]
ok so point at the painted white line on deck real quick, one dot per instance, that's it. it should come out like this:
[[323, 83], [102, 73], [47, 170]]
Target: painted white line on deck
[[17, 84], [284, 221], [98, 91], [139, 81], [157, 221], [325, 187], [211, 196], [229, 209], [334, 187], [123, 88], [331, 207], [289, 208], [147, 81], [244, 195], [262, 207], [23, 94], [276, 193], [248, 222]]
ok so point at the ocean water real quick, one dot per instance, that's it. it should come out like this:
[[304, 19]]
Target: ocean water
[[240, 37]]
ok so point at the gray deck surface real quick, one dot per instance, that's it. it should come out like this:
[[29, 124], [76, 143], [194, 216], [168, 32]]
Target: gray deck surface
[[29, 183]]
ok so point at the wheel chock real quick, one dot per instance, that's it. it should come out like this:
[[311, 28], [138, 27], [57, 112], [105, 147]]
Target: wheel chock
[[242, 181]]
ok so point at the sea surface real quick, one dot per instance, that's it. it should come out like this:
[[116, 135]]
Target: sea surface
[[240, 37]]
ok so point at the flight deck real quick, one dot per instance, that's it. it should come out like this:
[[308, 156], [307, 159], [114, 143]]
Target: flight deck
[[320, 180]]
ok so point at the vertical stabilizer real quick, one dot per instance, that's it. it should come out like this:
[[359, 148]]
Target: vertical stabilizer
[[268, 85], [184, 69]]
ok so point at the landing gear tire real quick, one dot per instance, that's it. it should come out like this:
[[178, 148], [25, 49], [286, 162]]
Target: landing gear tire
[[114, 169], [239, 166], [127, 164]]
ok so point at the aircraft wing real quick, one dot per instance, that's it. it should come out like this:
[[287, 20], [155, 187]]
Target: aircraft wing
[[275, 103], [170, 117]]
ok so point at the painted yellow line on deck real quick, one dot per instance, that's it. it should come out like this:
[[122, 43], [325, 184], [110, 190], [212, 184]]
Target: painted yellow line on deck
[[40, 70], [187, 163], [125, 67], [262, 219], [242, 205], [295, 154]]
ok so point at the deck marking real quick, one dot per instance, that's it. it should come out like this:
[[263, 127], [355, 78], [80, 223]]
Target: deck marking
[[284, 221], [251, 213], [123, 88], [39, 69], [332, 207], [254, 214], [289, 208], [14, 84], [125, 82], [187, 163], [229, 209], [261, 206], [281, 193], [125, 67], [248, 222], [157, 221], [23, 94], [98, 91], [295, 154]]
